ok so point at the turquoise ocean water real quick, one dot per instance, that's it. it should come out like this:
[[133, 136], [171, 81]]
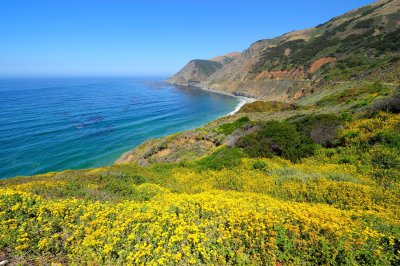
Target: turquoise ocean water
[[73, 123]]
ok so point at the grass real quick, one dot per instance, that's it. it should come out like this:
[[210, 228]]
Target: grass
[[229, 128], [353, 94], [263, 107]]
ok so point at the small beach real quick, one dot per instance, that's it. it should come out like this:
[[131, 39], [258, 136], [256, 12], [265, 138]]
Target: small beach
[[242, 101]]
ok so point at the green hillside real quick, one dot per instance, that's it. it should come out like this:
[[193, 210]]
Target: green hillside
[[309, 184], [359, 42], [362, 44]]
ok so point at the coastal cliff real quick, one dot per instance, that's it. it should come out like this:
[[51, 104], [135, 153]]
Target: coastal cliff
[[361, 44]]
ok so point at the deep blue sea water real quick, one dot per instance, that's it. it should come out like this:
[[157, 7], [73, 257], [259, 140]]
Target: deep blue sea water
[[73, 123]]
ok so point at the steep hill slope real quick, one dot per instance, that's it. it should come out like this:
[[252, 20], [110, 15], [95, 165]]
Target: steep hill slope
[[361, 44], [198, 70]]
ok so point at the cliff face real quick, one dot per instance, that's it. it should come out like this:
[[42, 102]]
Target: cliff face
[[195, 71], [360, 44], [199, 70]]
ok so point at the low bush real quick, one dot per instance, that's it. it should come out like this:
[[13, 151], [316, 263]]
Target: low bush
[[278, 138], [385, 158], [389, 104], [120, 187], [259, 165], [386, 177], [390, 138], [322, 129], [365, 24], [229, 182], [222, 158], [229, 128]]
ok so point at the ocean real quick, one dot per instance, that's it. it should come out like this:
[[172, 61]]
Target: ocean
[[54, 124]]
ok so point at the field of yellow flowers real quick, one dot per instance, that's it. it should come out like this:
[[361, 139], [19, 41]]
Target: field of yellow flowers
[[340, 205]]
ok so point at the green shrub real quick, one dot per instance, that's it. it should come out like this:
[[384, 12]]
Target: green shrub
[[322, 128], [385, 158], [385, 177], [389, 42], [138, 180], [347, 159], [119, 187], [231, 182], [259, 165], [390, 138], [222, 158], [389, 104], [365, 24], [146, 191], [229, 128], [346, 117], [278, 138]]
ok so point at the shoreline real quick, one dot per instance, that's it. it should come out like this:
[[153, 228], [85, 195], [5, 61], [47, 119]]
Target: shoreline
[[242, 99]]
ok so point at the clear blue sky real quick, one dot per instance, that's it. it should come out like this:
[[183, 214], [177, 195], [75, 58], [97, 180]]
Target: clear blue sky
[[128, 38]]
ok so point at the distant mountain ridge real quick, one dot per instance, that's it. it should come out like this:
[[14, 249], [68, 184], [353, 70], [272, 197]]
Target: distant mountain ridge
[[361, 44]]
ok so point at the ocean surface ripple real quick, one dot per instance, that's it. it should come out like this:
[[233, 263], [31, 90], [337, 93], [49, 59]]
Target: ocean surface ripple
[[74, 123]]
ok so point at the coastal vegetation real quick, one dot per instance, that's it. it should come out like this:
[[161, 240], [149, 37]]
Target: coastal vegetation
[[304, 189], [307, 175]]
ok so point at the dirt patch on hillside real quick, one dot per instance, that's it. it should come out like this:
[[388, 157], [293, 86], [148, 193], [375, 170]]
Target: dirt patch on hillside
[[320, 62]]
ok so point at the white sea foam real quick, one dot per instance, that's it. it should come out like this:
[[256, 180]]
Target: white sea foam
[[242, 101]]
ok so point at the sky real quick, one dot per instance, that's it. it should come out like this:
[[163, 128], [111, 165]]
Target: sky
[[143, 37]]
